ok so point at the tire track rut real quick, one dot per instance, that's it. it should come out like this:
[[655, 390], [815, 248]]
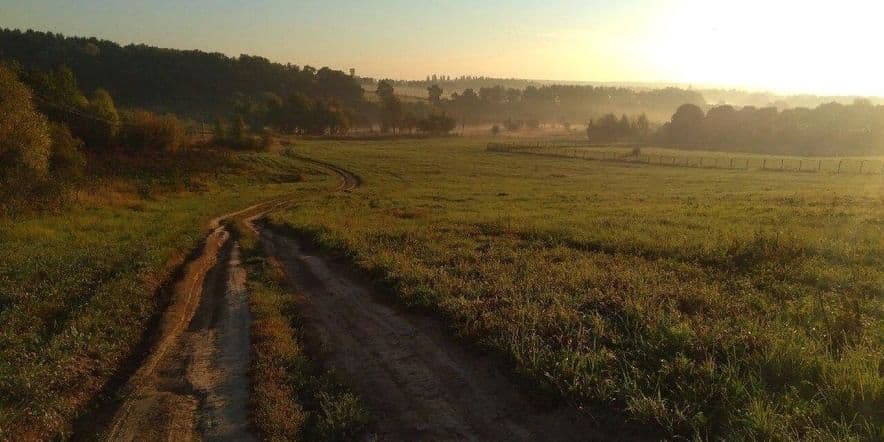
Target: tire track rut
[[193, 384], [419, 382]]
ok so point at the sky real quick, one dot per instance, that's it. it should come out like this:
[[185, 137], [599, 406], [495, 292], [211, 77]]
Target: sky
[[811, 46]]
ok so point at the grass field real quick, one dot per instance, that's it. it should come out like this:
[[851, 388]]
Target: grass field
[[710, 303], [79, 286]]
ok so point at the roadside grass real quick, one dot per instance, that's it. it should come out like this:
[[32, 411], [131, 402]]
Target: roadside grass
[[79, 285], [292, 396], [710, 303]]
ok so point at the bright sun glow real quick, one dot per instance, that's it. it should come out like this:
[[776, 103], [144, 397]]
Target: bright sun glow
[[823, 47]]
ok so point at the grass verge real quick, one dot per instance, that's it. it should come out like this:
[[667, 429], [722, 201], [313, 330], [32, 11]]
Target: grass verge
[[79, 286]]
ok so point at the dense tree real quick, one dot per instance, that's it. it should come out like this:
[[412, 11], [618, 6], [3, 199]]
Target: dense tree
[[192, 83], [829, 129], [391, 107], [609, 128], [24, 135]]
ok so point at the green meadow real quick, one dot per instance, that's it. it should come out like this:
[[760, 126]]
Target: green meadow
[[708, 303]]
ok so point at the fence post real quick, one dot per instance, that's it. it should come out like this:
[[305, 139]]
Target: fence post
[[861, 164], [764, 164], [839, 166], [781, 164], [819, 165]]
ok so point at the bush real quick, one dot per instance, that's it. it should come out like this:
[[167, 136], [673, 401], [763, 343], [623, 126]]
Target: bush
[[100, 131], [66, 159], [147, 131], [24, 135]]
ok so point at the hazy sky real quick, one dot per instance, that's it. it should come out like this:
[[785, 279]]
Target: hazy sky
[[825, 47]]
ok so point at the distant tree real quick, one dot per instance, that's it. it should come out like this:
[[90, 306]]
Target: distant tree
[[686, 124], [385, 90], [437, 124], [391, 107], [642, 127], [435, 94], [609, 128], [466, 106], [495, 130], [336, 85]]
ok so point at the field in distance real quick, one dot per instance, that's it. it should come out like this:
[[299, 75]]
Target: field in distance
[[706, 302]]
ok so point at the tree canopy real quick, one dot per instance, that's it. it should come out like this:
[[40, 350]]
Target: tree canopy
[[194, 83]]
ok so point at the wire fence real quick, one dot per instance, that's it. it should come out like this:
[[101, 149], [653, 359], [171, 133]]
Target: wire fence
[[852, 166]]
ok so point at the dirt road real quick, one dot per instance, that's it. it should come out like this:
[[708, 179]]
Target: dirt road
[[419, 383], [194, 382]]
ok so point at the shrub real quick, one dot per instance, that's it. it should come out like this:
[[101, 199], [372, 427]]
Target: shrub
[[495, 130], [147, 131], [66, 159], [101, 130], [24, 135]]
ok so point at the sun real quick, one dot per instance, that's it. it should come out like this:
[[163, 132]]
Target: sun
[[817, 47]]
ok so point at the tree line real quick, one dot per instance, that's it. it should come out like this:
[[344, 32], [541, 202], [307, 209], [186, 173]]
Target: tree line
[[828, 129], [194, 84]]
